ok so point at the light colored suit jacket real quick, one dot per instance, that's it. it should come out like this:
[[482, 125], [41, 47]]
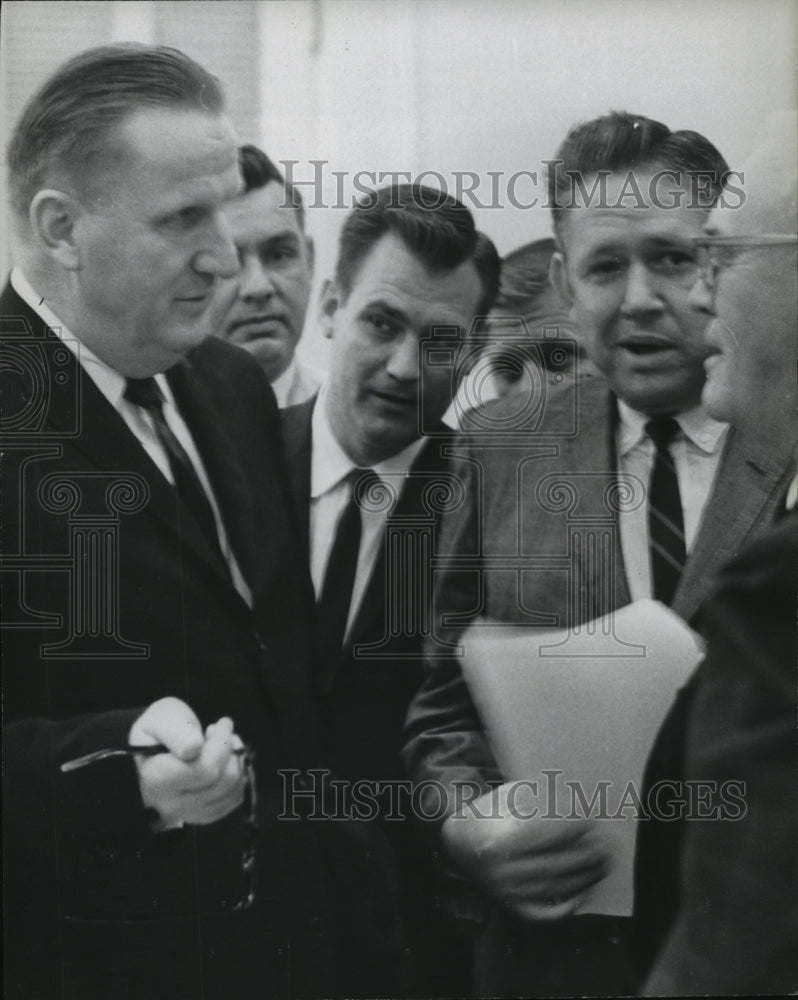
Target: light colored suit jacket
[[536, 542]]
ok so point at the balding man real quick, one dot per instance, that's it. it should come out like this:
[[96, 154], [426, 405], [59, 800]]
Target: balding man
[[153, 607], [734, 922]]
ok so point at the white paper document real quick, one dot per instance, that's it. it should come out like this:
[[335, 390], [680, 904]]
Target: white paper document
[[577, 711]]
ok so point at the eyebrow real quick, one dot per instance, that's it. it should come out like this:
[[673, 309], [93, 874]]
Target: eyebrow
[[672, 238], [385, 307], [286, 234], [620, 249], [275, 238]]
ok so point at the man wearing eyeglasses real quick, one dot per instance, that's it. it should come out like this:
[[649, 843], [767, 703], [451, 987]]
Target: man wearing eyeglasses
[[733, 924], [627, 206]]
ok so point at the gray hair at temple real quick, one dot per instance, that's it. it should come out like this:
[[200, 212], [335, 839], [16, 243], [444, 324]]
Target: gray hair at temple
[[63, 132]]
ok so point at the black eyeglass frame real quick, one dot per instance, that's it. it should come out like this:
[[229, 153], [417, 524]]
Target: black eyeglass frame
[[710, 258]]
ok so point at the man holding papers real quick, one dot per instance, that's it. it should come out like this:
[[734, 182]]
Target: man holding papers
[[620, 489]]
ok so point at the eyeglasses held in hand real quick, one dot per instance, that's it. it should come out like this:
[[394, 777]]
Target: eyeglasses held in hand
[[250, 818], [125, 750]]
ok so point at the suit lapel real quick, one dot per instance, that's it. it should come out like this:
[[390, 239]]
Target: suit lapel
[[745, 496], [206, 421], [591, 455], [80, 417], [429, 463]]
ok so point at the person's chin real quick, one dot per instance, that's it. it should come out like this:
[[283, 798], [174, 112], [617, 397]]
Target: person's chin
[[271, 355], [715, 397], [170, 347], [661, 392], [393, 426], [189, 336]]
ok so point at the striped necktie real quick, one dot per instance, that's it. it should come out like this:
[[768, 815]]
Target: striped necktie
[[665, 517]]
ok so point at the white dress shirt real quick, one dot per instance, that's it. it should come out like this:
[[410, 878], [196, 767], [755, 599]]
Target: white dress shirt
[[792, 494], [696, 454], [296, 384], [329, 495], [112, 385]]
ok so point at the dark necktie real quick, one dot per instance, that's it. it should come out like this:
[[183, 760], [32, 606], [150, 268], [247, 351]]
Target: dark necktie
[[339, 577], [145, 392], [665, 518]]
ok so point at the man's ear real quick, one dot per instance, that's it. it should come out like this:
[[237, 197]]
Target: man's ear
[[329, 301], [53, 216], [558, 276]]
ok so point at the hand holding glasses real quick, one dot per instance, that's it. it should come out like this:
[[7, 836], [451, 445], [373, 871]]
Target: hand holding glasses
[[189, 776]]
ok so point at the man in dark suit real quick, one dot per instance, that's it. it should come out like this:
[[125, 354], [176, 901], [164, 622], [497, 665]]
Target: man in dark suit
[[561, 526], [717, 902], [372, 447], [152, 597]]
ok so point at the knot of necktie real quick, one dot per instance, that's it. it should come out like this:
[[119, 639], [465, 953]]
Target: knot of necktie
[[662, 431], [144, 392]]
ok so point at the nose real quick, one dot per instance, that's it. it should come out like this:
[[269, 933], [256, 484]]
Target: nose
[[404, 359], [218, 257], [255, 280], [640, 295], [701, 297]]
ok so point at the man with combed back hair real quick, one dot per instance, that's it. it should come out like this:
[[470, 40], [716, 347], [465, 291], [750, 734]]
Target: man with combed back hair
[[155, 624], [629, 196], [370, 472]]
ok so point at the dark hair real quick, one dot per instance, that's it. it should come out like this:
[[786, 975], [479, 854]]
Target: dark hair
[[258, 170], [621, 141], [65, 122], [435, 226], [525, 273]]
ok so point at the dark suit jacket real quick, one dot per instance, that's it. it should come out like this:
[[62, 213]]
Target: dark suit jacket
[[113, 598], [368, 689], [508, 554], [717, 899], [365, 694]]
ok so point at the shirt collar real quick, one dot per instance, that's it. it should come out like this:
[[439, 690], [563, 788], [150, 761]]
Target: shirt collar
[[109, 381], [282, 385], [792, 493], [329, 463], [696, 425]]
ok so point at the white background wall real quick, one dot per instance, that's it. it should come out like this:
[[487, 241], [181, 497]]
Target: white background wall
[[441, 85]]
